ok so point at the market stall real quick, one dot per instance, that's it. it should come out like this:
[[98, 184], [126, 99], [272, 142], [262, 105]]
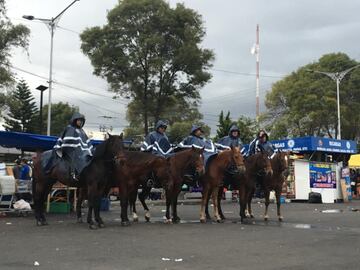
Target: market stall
[[316, 166]]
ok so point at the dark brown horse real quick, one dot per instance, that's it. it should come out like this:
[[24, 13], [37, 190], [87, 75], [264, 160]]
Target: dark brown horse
[[136, 169], [212, 180], [274, 181], [257, 164], [92, 177], [190, 161]]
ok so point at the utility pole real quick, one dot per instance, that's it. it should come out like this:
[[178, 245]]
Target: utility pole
[[255, 50]]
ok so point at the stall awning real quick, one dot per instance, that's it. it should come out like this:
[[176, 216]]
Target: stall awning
[[32, 142], [354, 161], [311, 144]]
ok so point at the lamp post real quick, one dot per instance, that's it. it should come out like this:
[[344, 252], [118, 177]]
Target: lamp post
[[51, 24], [337, 77], [41, 88]]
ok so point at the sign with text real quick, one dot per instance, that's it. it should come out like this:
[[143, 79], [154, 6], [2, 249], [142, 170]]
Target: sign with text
[[322, 175]]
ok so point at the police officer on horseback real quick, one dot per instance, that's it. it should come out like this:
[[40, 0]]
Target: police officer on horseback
[[74, 146], [233, 139], [157, 142], [197, 140], [261, 143]]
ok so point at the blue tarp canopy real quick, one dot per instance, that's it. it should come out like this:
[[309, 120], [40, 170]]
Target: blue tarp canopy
[[32, 142], [313, 144]]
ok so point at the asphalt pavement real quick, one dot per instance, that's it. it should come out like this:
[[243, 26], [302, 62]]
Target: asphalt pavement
[[312, 236]]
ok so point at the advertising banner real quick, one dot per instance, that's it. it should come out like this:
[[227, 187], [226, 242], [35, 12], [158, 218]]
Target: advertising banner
[[322, 175]]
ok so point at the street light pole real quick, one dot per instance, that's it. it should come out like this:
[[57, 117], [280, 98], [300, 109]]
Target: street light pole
[[41, 88], [337, 77], [51, 23]]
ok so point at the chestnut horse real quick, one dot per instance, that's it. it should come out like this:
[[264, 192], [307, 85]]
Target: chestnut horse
[[214, 175], [136, 169], [189, 161], [274, 181], [257, 164], [92, 175]]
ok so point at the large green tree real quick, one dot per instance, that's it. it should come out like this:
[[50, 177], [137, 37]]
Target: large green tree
[[11, 36], [61, 114], [304, 103], [150, 52], [22, 110]]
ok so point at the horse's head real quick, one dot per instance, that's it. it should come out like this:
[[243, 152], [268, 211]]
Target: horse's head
[[110, 147], [196, 160], [237, 160], [282, 160], [263, 163]]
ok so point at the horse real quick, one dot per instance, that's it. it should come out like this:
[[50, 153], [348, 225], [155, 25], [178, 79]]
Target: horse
[[213, 178], [257, 164], [274, 181], [180, 163], [136, 169], [97, 178], [43, 180]]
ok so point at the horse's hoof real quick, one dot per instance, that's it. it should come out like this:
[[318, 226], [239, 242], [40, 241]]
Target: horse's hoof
[[147, 219], [208, 217], [80, 220], [168, 221], [44, 223], [266, 218], [93, 227], [101, 225], [176, 220], [222, 217], [219, 220], [202, 220], [39, 223], [252, 216], [281, 218], [125, 223], [135, 219]]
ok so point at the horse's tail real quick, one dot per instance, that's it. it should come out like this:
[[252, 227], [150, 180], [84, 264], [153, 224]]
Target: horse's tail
[[36, 171]]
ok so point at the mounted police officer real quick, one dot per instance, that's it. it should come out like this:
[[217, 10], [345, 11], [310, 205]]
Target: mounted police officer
[[157, 142], [233, 139], [261, 143], [74, 146], [196, 139]]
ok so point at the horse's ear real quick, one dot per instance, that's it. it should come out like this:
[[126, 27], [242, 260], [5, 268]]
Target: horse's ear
[[121, 135], [109, 135], [231, 147], [193, 148]]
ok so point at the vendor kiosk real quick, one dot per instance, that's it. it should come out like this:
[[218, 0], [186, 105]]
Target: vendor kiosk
[[316, 166]]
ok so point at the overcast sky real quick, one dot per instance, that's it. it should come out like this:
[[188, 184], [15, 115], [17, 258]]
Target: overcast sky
[[292, 34]]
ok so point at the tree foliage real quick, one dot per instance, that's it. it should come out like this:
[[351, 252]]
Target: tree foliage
[[10, 36], [223, 126], [305, 104], [151, 53], [61, 114], [23, 112]]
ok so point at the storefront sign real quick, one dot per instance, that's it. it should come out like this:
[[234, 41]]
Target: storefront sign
[[322, 175]]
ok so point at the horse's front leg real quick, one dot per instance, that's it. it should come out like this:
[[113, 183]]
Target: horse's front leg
[[41, 199], [242, 202], [208, 217], [132, 204], [249, 196], [142, 197], [214, 196], [91, 206], [80, 199], [267, 202], [204, 201], [124, 202], [175, 218], [219, 198], [278, 204]]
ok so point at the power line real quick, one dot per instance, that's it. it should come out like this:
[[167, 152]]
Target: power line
[[246, 74], [68, 85]]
